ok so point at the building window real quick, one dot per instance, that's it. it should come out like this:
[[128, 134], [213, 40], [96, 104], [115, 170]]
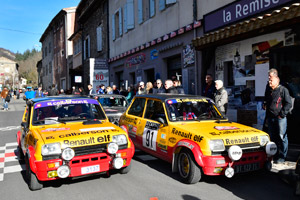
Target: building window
[[146, 10], [128, 16], [99, 38], [50, 67], [117, 28], [164, 3], [86, 47], [77, 46]]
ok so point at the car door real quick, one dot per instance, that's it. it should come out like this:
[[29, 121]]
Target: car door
[[155, 131], [25, 126]]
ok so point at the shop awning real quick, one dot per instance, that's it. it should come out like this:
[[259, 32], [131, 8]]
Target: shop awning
[[277, 20]]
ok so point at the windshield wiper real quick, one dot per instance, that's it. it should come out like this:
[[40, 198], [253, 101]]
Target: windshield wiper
[[223, 120]]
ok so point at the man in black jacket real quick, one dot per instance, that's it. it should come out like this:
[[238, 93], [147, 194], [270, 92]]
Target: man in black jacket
[[278, 103], [160, 88], [170, 87]]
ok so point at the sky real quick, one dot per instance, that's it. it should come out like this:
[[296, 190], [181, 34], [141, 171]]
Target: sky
[[22, 22]]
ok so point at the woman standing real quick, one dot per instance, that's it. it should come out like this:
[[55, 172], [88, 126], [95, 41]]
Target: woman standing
[[149, 88]]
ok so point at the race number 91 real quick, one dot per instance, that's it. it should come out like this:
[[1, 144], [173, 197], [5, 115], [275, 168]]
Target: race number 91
[[149, 138]]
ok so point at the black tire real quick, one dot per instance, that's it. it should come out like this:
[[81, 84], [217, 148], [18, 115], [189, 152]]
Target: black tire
[[32, 181], [21, 155], [189, 171], [125, 170]]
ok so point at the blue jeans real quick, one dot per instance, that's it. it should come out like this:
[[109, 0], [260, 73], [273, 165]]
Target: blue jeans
[[277, 132], [5, 103]]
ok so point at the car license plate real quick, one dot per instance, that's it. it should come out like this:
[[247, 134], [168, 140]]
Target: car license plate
[[246, 167], [90, 169]]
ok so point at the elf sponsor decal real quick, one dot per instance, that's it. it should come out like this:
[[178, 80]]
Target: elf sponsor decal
[[181, 133], [198, 138], [55, 129], [91, 140], [221, 128], [233, 132], [186, 144], [241, 141]]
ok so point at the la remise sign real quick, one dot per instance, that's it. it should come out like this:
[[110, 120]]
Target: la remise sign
[[237, 11]]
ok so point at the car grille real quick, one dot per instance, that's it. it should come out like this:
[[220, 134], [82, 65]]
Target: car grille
[[86, 150], [247, 148]]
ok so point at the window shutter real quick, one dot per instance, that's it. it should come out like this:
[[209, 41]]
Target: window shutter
[[152, 8], [170, 2], [113, 27], [99, 38], [130, 14], [120, 22], [162, 4], [140, 11], [125, 18]]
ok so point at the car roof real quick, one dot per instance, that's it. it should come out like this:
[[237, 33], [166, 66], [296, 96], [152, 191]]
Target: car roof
[[61, 97], [165, 96], [109, 95]]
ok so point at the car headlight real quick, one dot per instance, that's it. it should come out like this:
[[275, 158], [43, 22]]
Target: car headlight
[[264, 139], [216, 145], [68, 154], [112, 148], [51, 149], [119, 139]]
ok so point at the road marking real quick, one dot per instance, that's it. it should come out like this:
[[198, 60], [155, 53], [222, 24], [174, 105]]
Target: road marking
[[9, 128], [10, 155]]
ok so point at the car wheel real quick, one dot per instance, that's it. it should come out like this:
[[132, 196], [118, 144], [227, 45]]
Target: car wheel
[[125, 170], [188, 169], [21, 155], [32, 181]]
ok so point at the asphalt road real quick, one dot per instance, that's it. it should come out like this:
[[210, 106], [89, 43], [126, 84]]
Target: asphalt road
[[149, 178]]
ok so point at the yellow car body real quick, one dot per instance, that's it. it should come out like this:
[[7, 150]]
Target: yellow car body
[[60, 144], [189, 132]]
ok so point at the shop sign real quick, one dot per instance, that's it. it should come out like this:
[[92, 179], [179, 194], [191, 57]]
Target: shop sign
[[154, 54], [188, 56], [237, 11], [135, 60]]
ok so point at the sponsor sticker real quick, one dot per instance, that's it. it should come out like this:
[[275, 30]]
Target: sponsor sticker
[[221, 128]]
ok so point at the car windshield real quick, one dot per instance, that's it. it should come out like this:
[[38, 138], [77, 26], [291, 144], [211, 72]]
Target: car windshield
[[62, 111], [113, 101], [192, 109]]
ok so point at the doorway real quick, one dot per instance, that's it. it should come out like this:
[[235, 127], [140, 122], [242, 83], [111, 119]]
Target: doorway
[[174, 68]]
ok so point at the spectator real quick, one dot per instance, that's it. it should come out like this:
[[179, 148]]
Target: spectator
[[54, 91], [160, 88], [149, 88], [5, 95], [109, 90], [209, 87], [141, 89], [123, 91], [271, 73], [101, 89], [278, 102], [39, 93], [29, 94], [130, 94], [74, 91], [81, 91], [91, 90], [221, 97], [177, 85], [115, 90], [170, 87], [18, 94], [62, 92]]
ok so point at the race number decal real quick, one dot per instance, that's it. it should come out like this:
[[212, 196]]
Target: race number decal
[[150, 135]]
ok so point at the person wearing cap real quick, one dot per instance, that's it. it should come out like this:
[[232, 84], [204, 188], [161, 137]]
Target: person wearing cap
[[141, 89]]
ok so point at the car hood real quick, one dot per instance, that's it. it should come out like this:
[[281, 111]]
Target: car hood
[[231, 133], [77, 134]]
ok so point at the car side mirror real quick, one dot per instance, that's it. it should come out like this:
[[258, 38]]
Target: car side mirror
[[25, 126]]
